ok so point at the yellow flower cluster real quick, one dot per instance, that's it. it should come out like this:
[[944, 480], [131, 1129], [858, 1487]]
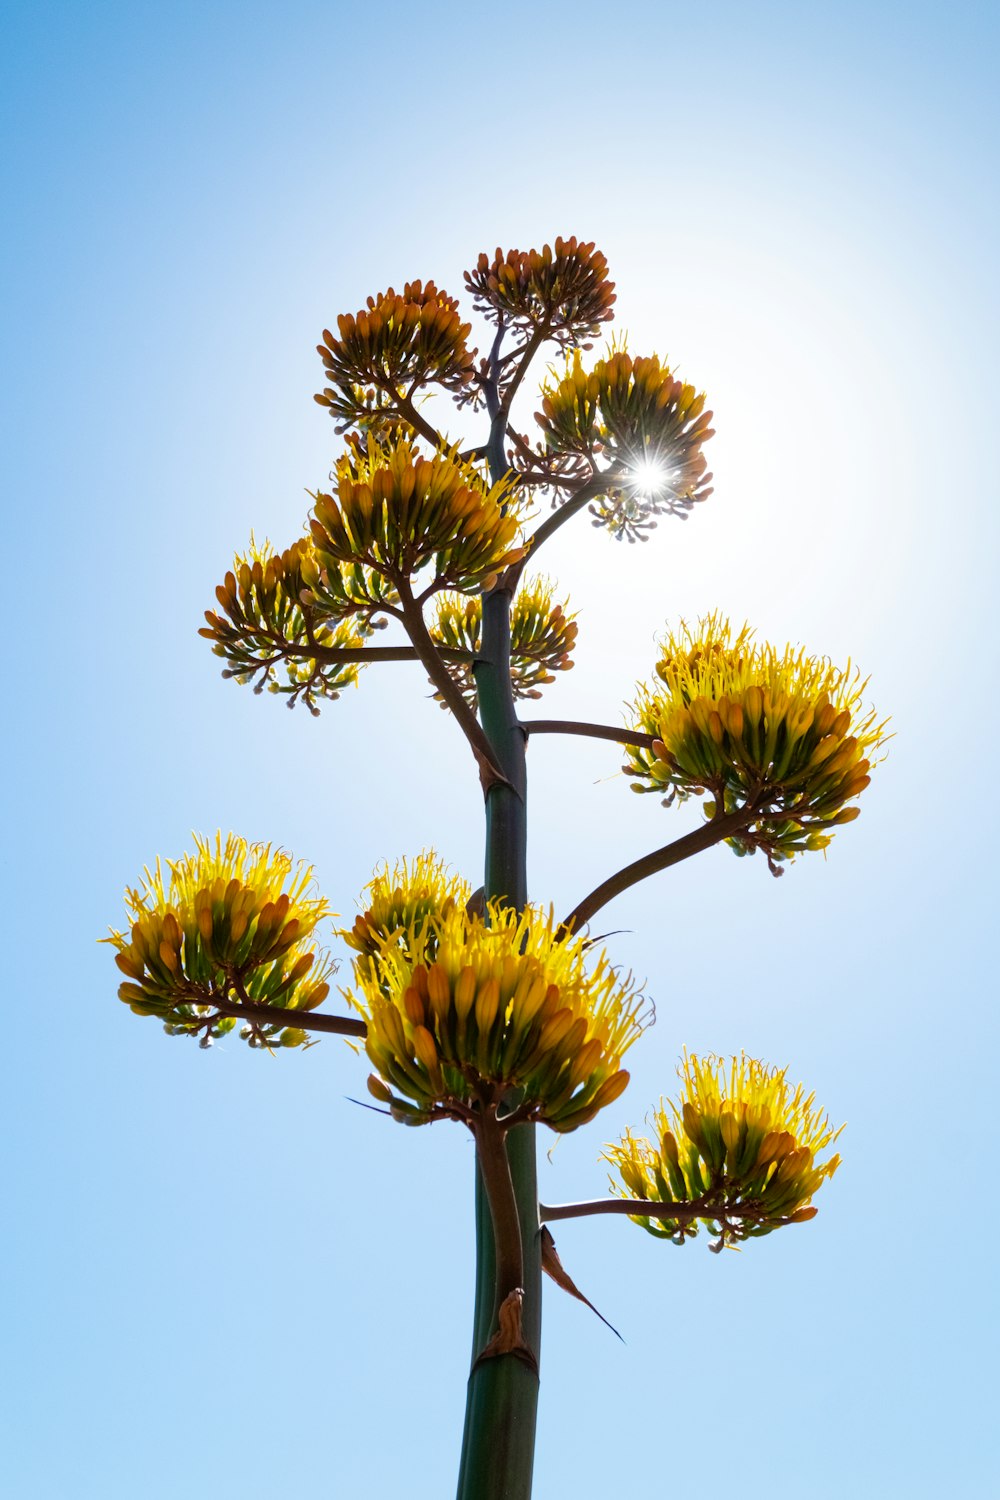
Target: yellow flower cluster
[[741, 1144], [637, 415], [396, 511], [232, 921], [542, 637], [779, 731], [564, 293], [403, 903], [464, 1013], [270, 620], [397, 341]]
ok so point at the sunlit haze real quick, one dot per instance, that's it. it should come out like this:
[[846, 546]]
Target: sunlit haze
[[650, 477], [224, 1279]]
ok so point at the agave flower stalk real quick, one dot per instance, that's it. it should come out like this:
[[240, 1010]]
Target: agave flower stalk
[[498, 1447], [483, 1008]]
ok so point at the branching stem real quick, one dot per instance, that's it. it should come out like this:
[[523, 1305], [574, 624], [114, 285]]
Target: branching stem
[[433, 664], [713, 832], [589, 490], [592, 731], [530, 349], [407, 410], [335, 655], [681, 1213], [280, 1015]]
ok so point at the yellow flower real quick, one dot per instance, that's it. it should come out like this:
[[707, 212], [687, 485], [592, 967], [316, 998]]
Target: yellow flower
[[396, 512], [758, 728], [464, 1013], [542, 637], [396, 342], [401, 905], [740, 1144], [634, 413], [268, 613], [232, 922], [564, 293]]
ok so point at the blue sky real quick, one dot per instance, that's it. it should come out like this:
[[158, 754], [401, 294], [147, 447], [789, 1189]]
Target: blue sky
[[223, 1279]]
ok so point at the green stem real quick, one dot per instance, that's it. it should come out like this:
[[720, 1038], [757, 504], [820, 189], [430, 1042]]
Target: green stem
[[430, 658], [498, 1448]]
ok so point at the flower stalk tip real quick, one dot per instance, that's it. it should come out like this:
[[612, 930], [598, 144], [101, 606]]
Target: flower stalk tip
[[397, 342], [561, 292]]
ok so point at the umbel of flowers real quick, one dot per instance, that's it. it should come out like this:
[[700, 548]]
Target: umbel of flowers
[[273, 631], [563, 292], [466, 1010], [396, 511], [778, 733], [648, 428], [399, 340], [737, 1153], [542, 637], [230, 923]]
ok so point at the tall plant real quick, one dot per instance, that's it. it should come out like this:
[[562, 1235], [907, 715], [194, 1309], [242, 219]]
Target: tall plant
[[481, 1007]]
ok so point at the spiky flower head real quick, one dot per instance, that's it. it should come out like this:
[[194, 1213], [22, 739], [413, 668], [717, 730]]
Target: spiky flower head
[[649, 425], [461, 1011], [397, 341], [778, 731], [232, 921], [273, 629], [563, 292], [401, 905], [396, 512], [740, 1143], [542, 636]]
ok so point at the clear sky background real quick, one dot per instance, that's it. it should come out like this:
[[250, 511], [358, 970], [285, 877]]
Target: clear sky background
[[223, 1279]]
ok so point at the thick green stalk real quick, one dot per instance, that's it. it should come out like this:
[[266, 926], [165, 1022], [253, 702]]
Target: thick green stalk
[[499, 1443]]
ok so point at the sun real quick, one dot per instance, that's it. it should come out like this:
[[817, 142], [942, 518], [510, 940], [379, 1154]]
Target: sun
[[650, 477]]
